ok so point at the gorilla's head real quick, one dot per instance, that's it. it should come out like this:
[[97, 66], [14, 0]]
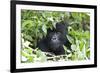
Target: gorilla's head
[[57, 36]]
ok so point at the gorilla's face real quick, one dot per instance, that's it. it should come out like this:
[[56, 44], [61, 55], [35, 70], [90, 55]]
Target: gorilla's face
[[55, 39]]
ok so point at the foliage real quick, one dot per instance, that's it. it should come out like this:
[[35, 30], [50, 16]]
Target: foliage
[[34, 25]]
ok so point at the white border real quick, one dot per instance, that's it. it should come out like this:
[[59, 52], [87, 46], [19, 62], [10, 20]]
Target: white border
[[20, 65]]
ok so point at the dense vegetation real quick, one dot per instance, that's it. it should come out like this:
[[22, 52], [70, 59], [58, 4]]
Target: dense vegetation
[[34, 25]]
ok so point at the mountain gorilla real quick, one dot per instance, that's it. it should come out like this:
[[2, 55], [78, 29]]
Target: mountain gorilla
[[55, 39]]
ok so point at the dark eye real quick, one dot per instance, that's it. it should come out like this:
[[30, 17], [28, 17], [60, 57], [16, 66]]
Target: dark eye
[[58, 32], [54, 38]]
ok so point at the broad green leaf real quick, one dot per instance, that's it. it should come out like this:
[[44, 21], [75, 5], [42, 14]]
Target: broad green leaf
[[65, 48], [73, 47], [44, 28], [71, 40]]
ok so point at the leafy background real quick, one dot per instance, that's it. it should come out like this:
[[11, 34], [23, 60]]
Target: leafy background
[[34, 25]]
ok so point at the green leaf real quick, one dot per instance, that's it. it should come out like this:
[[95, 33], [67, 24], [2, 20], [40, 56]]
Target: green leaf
[[71, 40], [81, 45], [73, 47], [44, 28], [27, 23], [88, 53], [65, 48]]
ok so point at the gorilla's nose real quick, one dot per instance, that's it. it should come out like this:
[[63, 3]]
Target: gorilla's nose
[[54, 38]]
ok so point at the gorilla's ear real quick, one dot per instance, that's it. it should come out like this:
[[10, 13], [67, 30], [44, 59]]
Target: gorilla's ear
[[61, 27]]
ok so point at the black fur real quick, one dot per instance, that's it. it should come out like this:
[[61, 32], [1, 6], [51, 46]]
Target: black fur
[[55, 40]]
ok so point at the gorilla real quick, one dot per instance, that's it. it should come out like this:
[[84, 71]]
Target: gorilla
[[55, 39]]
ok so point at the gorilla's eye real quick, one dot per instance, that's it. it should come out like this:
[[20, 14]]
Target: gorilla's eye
[[58, 33], [54, 38]]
